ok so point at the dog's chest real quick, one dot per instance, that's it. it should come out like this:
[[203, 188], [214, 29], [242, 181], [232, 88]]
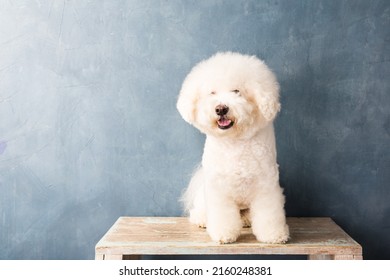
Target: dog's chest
[[241, 162], [240, 170]]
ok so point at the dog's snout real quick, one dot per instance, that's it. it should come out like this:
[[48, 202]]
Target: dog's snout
[[221, 110]]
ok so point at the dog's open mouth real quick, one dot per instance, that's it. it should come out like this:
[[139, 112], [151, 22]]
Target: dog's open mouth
[[224, 122]]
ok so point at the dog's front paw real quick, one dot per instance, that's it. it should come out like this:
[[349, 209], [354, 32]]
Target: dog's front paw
[[274, 236], [223, 237]]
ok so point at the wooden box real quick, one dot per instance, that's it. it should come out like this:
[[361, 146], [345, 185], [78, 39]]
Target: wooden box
[[132, 237]]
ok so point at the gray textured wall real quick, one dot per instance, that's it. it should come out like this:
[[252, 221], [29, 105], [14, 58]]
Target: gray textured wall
[[89, 129]]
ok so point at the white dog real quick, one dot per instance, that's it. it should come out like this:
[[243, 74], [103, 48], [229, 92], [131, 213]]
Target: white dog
[[233, 99]]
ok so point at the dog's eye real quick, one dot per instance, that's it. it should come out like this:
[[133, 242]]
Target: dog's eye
[[213, 92], [236, 91]]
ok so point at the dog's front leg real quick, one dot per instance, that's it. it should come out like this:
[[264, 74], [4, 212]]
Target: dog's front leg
[[223, 218], [268, 216]]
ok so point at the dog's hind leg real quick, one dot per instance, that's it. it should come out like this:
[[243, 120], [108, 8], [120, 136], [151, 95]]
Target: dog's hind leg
[[194, 199]]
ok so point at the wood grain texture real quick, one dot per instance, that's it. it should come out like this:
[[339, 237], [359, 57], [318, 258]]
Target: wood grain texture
[[320, 238]]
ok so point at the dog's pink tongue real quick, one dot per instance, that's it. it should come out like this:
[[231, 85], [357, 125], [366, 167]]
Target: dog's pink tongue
[[224, 122]]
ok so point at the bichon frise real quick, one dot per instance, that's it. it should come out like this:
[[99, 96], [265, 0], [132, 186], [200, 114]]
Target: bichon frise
[[233, 99]]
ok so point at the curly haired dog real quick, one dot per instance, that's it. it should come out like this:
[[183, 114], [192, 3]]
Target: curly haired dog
[[233, 99]]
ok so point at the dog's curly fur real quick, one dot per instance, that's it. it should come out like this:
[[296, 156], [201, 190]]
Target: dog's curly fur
[[233, 99]]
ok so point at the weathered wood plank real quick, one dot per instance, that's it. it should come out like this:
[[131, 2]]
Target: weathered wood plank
[[343, 257], [320, 257], [175, 235], [113, 257], [99, 256]]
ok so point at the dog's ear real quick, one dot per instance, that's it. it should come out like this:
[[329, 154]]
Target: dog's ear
[[267, 98], [187, 101]]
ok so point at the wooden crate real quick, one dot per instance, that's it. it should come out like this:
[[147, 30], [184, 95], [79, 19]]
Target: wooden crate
[[132, 237]]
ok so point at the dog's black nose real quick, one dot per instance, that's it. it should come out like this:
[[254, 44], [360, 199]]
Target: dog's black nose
[[221, 110]]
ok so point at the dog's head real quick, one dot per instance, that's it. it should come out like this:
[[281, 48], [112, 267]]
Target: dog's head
[[229, 95]]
